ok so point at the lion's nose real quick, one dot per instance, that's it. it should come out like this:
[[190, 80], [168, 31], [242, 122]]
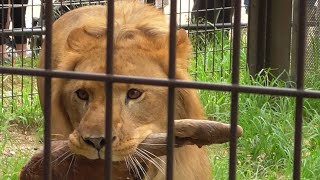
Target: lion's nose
[[97, 143]]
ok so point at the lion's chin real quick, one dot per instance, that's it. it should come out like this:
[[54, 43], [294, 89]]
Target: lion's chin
[[101, 155], [114, 158]]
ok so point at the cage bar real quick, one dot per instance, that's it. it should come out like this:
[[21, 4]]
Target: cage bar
[[171, 89], [109, 91], [299, 93], [47, 91], [235, 94], [300, 86], [161, 82]]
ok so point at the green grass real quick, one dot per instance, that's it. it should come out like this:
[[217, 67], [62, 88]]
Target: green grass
[[21, 111], [266, 149], [20, 101], [264, 152]]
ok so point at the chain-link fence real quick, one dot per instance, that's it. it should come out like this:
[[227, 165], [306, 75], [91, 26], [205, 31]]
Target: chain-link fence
[[209, 26], [313, 40]]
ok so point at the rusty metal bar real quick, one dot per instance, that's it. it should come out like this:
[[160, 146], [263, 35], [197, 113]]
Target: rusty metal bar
[[289, 92], [300, 86], [109, 91], [235, 94], [171, 89], [24, 31], [47, 91]]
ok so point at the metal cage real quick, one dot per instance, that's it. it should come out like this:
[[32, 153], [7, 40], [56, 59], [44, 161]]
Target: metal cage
[[232, 28]]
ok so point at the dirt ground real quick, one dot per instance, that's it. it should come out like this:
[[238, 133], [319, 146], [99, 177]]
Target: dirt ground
[[19, 140]]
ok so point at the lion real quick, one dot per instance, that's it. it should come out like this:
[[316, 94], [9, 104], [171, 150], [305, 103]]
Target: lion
[[141, 46]]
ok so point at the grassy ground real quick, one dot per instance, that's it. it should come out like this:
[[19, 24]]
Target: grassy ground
[[20, 121], [266, 149], [264, 152]]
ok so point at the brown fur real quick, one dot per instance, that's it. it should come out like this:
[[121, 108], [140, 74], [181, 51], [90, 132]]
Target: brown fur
[[70, 167], [141, 49]]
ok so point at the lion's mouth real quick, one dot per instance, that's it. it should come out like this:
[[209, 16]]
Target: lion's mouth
[[120, 150], [119, 153]]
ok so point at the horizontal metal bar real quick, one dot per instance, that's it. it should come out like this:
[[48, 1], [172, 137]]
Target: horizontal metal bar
[[209, 26], [6, 6], [190, 27], [163, 82], [17, 96], [24, 31], [68, 3]]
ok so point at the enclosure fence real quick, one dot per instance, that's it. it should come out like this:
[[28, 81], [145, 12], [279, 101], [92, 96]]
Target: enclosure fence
[[171, 83]]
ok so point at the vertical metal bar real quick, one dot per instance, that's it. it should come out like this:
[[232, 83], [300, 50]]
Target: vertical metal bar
[[32, 53], [11, 51], [205, 38], [22, 49], [171, 89], [3, 26], [222, 36], [180, 12], [2, 54], [23, 13], [196, 34], [300, 83], [109, 91], [189, 17], [234, 94], [47, 91], [231, 37]]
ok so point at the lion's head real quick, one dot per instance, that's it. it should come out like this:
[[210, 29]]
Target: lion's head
[[141, 46]]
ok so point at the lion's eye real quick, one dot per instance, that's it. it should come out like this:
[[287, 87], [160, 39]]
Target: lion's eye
[[134, 94], [82, 94]]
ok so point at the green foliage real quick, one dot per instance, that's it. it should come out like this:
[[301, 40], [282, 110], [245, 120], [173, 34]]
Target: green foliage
[[266, 149], [19, 107]]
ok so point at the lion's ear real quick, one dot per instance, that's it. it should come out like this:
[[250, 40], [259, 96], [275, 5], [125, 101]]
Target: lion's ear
[[86, 38], [184, 49]]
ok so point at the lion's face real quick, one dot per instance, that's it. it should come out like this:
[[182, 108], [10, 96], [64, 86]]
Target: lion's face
[[138, 110], [140, 49]]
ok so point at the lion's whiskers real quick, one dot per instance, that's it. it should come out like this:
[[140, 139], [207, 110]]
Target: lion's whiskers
[[126, 161], [73, 157], [53, 151], [67, 156], [130, 166], [150, 153], [151, 144], [57, 149], [135, 167], [59, 157], [150, 159], [39, 161], [138, 154], [141, 167]]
